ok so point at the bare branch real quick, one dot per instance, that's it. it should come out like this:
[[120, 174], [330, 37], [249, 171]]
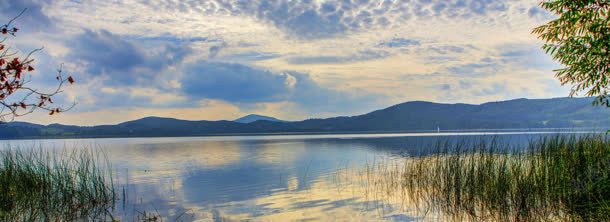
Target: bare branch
[[16, 97]]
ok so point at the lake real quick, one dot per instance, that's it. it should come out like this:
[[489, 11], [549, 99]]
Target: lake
[[263, 178]]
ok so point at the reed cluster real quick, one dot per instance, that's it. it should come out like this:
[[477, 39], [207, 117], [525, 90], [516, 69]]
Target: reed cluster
[[558, 178], [41, 185]]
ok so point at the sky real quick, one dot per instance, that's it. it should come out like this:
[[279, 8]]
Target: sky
[[291, 59]]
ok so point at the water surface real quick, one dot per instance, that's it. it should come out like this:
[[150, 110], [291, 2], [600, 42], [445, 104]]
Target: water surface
[[263, 178]]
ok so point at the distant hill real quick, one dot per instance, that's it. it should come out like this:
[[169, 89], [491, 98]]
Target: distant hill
[[409, 116], [253, 118]]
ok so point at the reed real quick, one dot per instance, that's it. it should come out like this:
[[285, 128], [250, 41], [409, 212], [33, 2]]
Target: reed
[[558, 178], [39, 185]]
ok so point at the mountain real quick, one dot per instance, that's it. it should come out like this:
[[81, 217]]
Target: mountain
[[409, 116], [253, 118], [519, 113]]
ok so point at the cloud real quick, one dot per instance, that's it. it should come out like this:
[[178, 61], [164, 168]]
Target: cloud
[[312, 24], [440, 59], [242, 84], [494, 88], [313, 98], [307, 19], [141, 97], [123, 62], [440, 54], [234, 83], [214, 50], [445, 49], [364, 55], [399, 42], [34, 17], [539, 13], [249, 56], [477, 69], [526, 56], [481, 88], [498, 61], [167, 37]]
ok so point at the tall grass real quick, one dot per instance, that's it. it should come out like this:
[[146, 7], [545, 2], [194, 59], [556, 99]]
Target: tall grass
[[38, 185], [564, 178]]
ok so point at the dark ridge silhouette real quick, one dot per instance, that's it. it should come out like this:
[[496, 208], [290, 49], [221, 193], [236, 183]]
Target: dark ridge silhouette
[[254, 117], [404, 117]]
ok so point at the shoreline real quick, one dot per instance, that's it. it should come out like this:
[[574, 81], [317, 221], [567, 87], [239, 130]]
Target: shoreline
[[352, 134]]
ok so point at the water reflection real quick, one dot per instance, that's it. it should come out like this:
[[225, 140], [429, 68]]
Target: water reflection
[[275, 178]]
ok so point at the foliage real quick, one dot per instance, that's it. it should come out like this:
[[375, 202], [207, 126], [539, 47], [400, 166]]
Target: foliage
[[580, 40], [16, 97], [60, 186], [561, 178]]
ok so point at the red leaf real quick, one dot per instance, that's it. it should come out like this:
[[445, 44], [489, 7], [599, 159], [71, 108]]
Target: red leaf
[[70, 80], [30, 68]]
